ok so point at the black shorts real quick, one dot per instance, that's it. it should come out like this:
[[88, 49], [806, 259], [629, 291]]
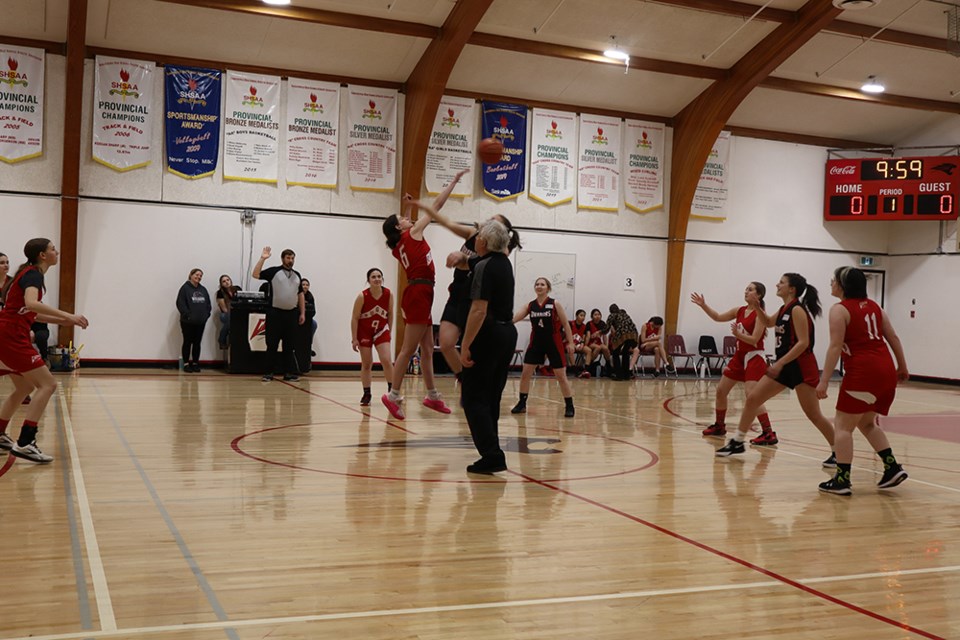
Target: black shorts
[[802, 370], [549, 349]]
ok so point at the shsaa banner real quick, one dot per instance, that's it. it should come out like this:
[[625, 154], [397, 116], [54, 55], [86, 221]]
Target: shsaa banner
[[193, 121], [372, 150], [643, 183], [599, 169], [313, 120], [123, 113], [553, 152], [21, 103], [251, 127], [451, 148], [710, 199], [507, 123]]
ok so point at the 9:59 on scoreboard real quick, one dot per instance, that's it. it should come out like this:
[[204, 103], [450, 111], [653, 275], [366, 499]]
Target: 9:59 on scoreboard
[[892, 189]]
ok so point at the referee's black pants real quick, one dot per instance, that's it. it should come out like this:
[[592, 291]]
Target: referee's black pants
[[282, 325], [482, 386]]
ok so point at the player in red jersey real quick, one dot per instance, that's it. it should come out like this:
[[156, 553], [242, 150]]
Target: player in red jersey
[[23, 306], [859, 334], [651, 343], [406, 241], [578, 327], [795, 368], [596, 330], [549, 326], [749, 363], [370, 328]]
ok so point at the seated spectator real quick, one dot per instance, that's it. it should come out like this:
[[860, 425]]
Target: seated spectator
[[651, 343], [579, 328], [596, 337], [225, 296], [310, 307]]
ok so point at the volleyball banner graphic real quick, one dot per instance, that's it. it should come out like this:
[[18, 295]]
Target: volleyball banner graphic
[[598, 185], [251, 127], [451, 147], [553, 151], [643, 151], [192, 117], [710, 199], [372, 135], [123, 112], [21, 103], [507, 123], [313, 122]]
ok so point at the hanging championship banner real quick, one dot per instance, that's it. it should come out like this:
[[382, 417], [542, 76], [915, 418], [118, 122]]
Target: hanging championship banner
[[451, 147], [313, 120], [599, 168], [21, 103], [710, 199], [643, 184], [251, 127], [122, 113], [192, 99], [372, 150], [553, 155], [507, 123]]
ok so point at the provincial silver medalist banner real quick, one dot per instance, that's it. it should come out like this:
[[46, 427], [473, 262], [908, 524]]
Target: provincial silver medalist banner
[[251, 127], [123, 112], [372, 135], [710, 199], [643, 184], [21, 103], [313, 120], [553, 152], [451, 147], [599, 168]]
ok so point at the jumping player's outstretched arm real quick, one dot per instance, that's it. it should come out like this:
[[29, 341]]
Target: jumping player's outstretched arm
[[416, 231], [700, 301], [441, 199]]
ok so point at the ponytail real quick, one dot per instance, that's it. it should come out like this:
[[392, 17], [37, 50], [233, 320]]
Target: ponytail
[[807, 294], [390, 231], [514, 236]]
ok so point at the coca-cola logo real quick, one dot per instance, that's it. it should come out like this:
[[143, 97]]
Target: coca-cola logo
[[847, 170]]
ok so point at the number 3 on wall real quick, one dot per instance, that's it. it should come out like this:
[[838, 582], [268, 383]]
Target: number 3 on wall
[[628, 283]]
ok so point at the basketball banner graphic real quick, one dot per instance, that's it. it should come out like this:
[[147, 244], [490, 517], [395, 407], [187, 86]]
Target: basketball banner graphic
[[643, 183], [598, 184], [123, 113], [192, 98], [21, 103], [507, 123], [313, 121], [710, 199], [372, 131], [451, 146], [553, 152], [251, 127]]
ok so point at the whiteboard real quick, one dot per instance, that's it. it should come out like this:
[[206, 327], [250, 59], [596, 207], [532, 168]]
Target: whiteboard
[[559, 268]]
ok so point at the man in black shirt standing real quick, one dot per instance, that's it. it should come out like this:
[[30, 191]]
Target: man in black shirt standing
[[489, 340], [286, 311]]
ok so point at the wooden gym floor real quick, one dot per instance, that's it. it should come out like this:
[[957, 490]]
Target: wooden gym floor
[[209, 506]]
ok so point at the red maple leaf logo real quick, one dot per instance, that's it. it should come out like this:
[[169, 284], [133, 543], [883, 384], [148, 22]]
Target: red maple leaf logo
[[313, 97], [600, 131], [124, 75], [373, 105], [503, 121], [553, 124], [253, 90], [13, 64], [192, 84], [450, 112], [643, 135]]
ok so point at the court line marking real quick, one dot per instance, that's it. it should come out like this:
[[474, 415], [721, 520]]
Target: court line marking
[[101, 589], [503, 604]]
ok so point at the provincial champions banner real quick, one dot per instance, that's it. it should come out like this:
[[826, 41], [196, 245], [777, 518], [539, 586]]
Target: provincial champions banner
[[251, 127], [193, 120], [372, 150], [643, 184], [313, 120], [122, 113], [507, 123], [451, 146], [710, 199], [553, 153], [599, 169], [21, 103]]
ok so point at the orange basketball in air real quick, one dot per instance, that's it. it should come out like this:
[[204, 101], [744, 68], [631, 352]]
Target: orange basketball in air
[[490, 150]]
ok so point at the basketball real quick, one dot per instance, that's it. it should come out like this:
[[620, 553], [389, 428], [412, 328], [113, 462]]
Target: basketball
[[490, 150]]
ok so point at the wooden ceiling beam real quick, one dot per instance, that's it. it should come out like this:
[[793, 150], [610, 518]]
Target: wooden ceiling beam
[[58, 48], [885, 99]]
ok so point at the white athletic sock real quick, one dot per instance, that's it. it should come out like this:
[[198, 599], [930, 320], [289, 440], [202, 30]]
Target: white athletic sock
[[740, 437], [433, 394]]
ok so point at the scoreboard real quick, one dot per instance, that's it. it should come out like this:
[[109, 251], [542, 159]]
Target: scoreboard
[[892, 189]]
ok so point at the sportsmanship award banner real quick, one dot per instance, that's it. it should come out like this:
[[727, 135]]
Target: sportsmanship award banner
[[553, 155], [21, 103], [122, 113], [643, 186], [313, 120], [251, 127], [507, 123], [193, 121], [710, 199], [451, 146], [372, 150], [599, 169]]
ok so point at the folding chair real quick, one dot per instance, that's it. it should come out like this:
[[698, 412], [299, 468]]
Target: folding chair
[[676, 348], [707, 352]]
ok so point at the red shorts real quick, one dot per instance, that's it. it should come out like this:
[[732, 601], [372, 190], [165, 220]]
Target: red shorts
[[756, 366], [417, 304], [803, 370], [17, 354], [373, 339], [873, 391]]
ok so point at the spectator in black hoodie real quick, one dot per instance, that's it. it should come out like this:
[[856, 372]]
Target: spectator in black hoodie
[[193, 303]]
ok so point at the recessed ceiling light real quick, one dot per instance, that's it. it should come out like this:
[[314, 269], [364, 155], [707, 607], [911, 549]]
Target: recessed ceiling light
[[279, 3], [872, 85], [614, 52]]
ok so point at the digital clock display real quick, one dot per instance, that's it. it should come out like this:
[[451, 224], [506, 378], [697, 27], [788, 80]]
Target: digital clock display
[[892, 189]]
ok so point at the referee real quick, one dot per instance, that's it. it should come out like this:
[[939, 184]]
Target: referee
[[489, 340]]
